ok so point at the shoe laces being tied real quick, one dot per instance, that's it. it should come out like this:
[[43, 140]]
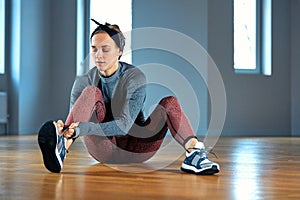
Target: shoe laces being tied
[[205, 151]]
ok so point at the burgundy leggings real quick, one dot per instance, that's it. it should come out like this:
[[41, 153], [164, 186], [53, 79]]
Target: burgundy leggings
[[142, 142]]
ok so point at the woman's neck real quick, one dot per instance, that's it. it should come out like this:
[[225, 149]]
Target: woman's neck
[[111, 70]]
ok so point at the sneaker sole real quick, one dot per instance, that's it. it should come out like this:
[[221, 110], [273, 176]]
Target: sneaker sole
[[205, 171], [47, 139]]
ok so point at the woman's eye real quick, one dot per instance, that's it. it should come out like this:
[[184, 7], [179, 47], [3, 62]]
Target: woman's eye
[[106, 50]]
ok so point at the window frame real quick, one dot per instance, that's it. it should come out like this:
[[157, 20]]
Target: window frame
[[2, 36]]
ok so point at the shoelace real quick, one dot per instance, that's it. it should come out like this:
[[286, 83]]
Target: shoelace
[[61, 146], [209, 151]]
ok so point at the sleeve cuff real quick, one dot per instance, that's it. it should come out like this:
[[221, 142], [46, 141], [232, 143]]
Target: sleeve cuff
[[77, 132]]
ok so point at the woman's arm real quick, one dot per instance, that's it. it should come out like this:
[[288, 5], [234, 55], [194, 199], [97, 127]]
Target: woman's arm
[[127, 103], [79, 84]]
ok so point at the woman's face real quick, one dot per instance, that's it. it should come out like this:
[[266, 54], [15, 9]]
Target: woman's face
[[105, 53]]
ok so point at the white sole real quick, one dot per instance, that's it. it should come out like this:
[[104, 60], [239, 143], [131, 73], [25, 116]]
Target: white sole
[[210, 169]]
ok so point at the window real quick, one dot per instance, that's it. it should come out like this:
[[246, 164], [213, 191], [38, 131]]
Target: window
[[252, 36], [2, 36], [121, 15], [245, 34], [101, 11]]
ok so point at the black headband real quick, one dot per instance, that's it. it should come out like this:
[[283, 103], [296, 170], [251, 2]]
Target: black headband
[[115, 35]]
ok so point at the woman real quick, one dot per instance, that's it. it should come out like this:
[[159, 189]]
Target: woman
[[115, 92]]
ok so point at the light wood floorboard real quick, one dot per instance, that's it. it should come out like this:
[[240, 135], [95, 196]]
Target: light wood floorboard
[[251, 168]]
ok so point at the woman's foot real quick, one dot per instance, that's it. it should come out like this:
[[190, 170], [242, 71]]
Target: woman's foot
[[67, 132], [53, 146], [197, 161]]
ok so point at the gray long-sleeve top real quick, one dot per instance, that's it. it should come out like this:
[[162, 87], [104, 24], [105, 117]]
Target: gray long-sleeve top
[[124, 94]]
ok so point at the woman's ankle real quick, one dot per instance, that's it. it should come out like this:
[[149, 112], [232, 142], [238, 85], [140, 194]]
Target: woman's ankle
[[192, 143]]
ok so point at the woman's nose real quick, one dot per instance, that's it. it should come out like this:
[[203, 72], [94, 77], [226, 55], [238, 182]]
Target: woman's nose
[[99, 54]]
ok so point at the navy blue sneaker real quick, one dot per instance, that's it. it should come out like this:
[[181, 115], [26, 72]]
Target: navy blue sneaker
[[52, 146], [197, 162]]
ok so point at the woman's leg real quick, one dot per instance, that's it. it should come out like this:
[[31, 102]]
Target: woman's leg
[[145, 141], [196, 160], [90, 101], [178, 123]]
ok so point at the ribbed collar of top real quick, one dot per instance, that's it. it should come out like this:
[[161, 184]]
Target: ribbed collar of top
[[113, 77]]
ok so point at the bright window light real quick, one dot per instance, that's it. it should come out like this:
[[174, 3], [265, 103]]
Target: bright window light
[[252, 32], [245, 34], [114, 12]]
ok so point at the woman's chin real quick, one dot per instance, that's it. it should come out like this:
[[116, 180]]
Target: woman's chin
[[101, 67]]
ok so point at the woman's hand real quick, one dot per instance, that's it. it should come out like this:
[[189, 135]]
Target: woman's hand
[[60, 125], [70, 131]]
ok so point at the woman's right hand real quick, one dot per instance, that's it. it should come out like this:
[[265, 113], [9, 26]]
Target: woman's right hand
[[60, 125]]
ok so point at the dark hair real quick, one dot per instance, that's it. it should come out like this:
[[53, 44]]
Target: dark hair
[[113, 31]]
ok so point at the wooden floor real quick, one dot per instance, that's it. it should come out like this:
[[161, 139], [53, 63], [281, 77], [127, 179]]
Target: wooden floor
[[251, 168]]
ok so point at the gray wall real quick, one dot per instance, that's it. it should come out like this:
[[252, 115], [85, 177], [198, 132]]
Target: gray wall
[[43, 61], [257, 105], [2, 82], [189, 18], [295, 66]]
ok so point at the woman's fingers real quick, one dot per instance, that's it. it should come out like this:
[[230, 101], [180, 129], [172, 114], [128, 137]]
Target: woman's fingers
[[74, 125], [60, 126], [69, 133], [60, 122]]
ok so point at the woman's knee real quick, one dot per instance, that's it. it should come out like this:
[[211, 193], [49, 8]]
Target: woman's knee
[[168, 101], [90, 90]]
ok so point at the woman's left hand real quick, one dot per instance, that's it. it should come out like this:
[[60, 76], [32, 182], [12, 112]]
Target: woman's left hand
[[70, 132]]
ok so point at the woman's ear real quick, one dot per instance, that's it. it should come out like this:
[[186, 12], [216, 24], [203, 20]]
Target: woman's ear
[[120, 52]]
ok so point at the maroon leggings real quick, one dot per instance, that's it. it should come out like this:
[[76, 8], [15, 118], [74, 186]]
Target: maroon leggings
[[142, 142]]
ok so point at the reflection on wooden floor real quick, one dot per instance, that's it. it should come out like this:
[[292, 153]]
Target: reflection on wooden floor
[[251, 168]]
